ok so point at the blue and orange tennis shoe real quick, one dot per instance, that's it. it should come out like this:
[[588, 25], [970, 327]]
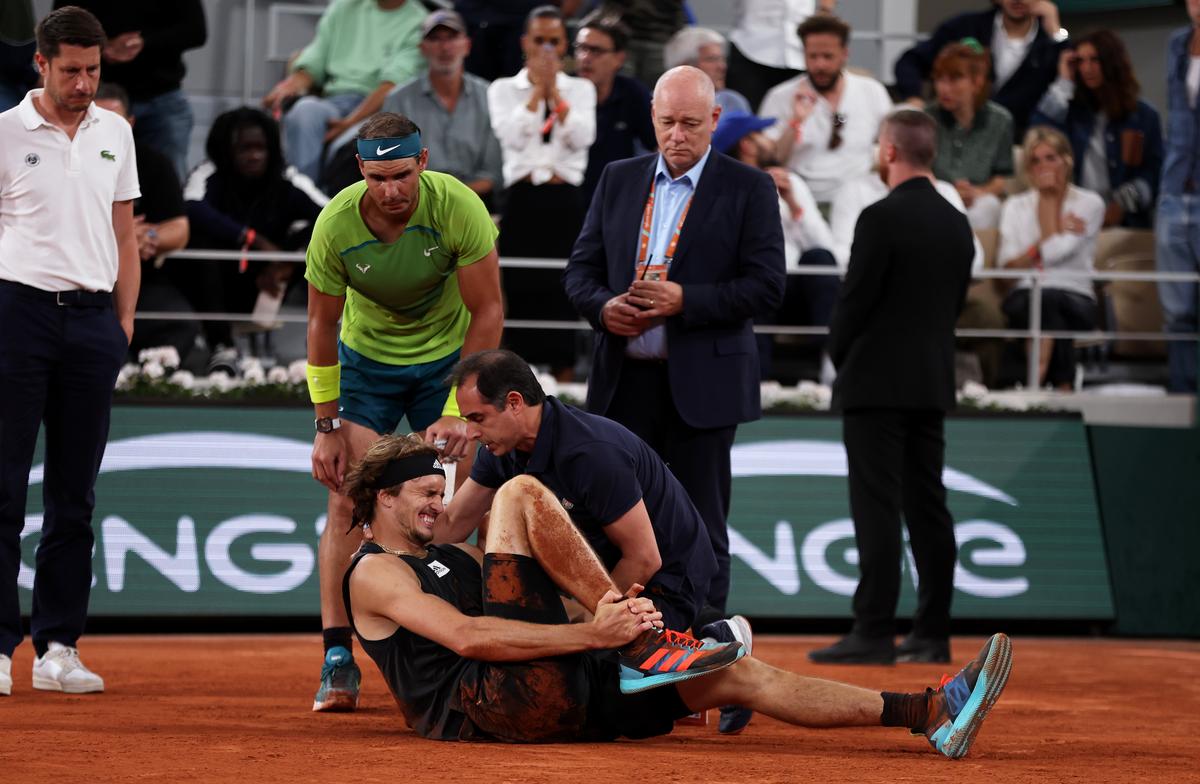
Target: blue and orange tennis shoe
[[660, 657], [340, 678], [960, 704]]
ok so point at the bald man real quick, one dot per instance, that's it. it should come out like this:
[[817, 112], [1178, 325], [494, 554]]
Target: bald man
[[679, 251]]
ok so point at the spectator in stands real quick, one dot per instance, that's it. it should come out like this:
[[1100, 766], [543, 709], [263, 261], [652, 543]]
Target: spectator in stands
[[808, 299], [545, 121], [363, 48], [975, 135], [1179, 205], [1052, 227], [17, 45], [623, 127], [144, 54], [161, 225], [451, 107], [1116, 138], [1023, 37], [764, 47], [826, 121], [653, 22], [495, 30], [243, 197], [705, 49]]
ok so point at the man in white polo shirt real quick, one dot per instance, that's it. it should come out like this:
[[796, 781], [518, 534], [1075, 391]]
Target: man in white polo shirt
[[69, 277]]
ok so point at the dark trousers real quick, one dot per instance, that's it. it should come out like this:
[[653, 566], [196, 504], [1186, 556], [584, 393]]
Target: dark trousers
[[58, 365], [1061, 310], [698, 457], [808, 301], [895, 458], [752, 79], [540, 221]]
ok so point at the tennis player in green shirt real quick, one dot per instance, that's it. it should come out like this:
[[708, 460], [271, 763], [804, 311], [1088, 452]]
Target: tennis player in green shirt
[[407, 261]]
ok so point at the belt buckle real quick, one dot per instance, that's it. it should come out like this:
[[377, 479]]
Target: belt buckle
[[58, 299]]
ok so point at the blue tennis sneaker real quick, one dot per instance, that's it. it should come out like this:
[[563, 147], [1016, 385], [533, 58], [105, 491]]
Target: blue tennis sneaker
[[960, 704], [340, 678]]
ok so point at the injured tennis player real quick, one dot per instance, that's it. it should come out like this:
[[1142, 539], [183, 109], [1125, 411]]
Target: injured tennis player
[[476, 645]]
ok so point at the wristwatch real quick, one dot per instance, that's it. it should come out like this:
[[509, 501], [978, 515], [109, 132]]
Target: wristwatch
[[327, 424]]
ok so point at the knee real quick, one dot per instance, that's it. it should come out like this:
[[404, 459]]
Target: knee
[[306, 112], [521, 490]]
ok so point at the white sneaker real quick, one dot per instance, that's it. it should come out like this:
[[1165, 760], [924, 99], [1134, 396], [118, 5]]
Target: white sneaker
[[61, 670], [5, 675]]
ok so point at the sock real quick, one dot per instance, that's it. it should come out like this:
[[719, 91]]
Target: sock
[[40, 647], [337, 636], [905, 710]]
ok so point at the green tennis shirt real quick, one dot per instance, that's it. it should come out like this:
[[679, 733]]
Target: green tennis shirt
[[403, 306]]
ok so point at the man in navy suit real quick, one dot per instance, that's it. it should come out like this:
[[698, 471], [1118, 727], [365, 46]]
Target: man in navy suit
[[678, 253]]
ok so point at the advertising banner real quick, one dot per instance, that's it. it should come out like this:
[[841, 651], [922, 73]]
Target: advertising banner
[[214, 511]]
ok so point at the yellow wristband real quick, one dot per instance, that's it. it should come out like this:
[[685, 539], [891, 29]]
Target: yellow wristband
[[323, 382], [451, 407]]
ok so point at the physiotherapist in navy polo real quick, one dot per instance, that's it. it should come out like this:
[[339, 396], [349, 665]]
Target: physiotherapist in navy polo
[[69, 275], [679, 252], [617, 491]]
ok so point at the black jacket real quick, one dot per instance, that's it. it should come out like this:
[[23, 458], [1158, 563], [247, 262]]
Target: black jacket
[[892, 335]]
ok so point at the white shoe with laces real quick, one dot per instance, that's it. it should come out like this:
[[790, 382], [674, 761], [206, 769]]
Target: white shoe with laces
[[5, 675], [61, 670]]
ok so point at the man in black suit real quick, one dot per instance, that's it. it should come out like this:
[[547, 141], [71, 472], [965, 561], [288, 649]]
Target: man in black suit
[[678, 253], [1023, 37], [892, 341]]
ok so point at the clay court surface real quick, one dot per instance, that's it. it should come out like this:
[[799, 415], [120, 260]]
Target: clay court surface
[[226, 708]]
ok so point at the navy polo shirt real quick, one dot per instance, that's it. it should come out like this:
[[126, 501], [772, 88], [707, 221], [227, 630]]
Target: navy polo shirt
[[599, 471]]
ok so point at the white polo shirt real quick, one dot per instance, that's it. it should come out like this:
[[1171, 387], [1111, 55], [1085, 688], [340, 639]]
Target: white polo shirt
[[57, 195]]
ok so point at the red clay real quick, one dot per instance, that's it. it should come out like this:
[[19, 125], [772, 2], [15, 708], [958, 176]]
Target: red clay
[[225, 708]]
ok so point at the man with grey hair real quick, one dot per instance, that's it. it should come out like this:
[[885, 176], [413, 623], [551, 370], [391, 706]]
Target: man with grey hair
[[705, 49], [673, 304], [892, 341]]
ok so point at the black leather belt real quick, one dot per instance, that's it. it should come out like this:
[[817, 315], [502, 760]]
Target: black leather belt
[[75, 298]]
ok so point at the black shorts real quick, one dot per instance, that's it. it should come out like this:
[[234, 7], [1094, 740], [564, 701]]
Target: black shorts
[[565, 698]]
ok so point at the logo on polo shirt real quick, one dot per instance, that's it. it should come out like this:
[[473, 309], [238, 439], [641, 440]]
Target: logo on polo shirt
[[108, 156], [32, 159]]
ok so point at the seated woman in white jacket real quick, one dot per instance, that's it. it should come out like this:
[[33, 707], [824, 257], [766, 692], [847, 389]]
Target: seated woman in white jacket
[[1052, 227]]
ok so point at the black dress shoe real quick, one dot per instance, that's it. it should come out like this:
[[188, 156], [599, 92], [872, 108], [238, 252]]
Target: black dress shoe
[[853, 649], [923, 650]]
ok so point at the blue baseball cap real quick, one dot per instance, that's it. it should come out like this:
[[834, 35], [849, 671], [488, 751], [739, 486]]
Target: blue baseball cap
[[733, 126]]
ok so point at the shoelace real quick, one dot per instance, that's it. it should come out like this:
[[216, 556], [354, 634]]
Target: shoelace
[[68, 659], [683, 640]]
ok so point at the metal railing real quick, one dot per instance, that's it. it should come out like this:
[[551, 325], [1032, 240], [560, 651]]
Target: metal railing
[[1037, 280]]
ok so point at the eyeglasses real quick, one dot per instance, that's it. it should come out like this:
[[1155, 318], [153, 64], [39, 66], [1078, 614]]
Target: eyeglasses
[[591, 51], [835, 138]]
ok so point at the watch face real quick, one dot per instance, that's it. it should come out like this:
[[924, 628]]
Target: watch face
[[325, 425]]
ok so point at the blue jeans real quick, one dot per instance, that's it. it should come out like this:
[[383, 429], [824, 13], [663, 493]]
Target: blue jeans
[[1178, 241], [304, 128], [165, 122]]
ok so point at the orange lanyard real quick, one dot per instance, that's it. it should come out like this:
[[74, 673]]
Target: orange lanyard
[[647, 222]]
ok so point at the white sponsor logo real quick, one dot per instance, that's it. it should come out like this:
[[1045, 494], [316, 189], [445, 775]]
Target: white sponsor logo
[[781, 569], [438, 568], [363, 268], [429, 251], [385, 150]]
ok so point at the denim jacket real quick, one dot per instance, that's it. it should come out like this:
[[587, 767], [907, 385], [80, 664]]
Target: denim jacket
[[1078, 121], [1181, 167]]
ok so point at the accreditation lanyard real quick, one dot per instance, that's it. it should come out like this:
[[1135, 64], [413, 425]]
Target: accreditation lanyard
[[658, 271]]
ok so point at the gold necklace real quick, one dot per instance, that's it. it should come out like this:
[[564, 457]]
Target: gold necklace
[[396, 552]]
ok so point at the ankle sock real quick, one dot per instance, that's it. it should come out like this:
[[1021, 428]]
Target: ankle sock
[[337, 636], [905, 710]]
